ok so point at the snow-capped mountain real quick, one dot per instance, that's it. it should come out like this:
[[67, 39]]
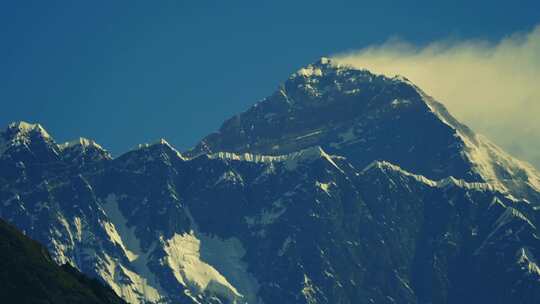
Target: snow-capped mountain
[[341, 187], [367, 117]]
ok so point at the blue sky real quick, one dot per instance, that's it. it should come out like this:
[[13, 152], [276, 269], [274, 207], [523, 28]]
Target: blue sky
[[129, 72]]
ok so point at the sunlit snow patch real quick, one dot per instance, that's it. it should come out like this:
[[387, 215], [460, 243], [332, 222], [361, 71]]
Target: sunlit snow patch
[[209, 265]]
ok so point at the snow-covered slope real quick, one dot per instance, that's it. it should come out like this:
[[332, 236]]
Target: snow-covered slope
[[489, 161]]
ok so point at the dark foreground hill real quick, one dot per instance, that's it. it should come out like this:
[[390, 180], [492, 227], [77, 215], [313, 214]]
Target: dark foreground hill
[[29, 275]]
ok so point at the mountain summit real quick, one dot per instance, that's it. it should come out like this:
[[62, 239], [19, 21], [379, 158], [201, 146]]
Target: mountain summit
[[341, 187], [367, 117]]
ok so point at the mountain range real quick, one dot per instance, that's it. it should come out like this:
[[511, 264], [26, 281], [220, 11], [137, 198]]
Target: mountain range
[[340, 187]]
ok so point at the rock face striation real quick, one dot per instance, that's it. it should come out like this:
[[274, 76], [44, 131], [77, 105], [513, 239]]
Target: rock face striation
[[341, 187]]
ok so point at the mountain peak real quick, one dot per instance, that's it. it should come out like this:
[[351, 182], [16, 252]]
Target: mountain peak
[[81, 141], [328, 67], [322, 67], [327, 82], [160, 144], [25, 128], [83, 150], [365, 117], [24, 136], [319, 98]]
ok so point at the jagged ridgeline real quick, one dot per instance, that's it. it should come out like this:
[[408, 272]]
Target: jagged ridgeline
[[341, 187]]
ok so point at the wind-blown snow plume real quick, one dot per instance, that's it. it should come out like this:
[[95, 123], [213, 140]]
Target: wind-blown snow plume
[[493, 87]]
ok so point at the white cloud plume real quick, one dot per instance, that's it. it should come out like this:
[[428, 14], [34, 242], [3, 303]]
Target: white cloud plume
[[492, 87]]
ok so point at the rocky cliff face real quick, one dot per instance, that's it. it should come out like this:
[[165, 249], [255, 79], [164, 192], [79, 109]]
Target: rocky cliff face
[[341, 187]]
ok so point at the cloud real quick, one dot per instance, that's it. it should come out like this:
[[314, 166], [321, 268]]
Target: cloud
[[492, 87]]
